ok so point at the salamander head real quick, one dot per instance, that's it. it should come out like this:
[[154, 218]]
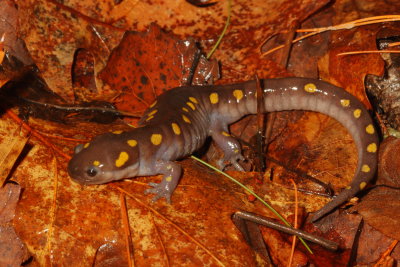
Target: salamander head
[[111, 156]]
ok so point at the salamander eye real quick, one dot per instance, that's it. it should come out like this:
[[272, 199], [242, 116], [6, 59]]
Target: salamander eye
[[92, 171]]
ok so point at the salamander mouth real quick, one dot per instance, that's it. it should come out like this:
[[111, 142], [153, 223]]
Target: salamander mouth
[[88, 181], [101, 177]]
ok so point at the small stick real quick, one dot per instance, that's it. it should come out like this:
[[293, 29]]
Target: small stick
[[274, 225]]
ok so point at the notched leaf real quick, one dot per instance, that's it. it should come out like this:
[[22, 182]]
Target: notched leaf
[[8, 32], [144, 65], [380, 210], [53, 33]]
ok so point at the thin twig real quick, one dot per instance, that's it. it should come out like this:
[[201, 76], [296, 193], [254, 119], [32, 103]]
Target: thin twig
[[289, 230]]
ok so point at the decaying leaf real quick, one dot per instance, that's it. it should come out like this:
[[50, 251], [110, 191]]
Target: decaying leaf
[[144, 65], [53, 33], [380, 210], [385, 90], [9, 152], [371, 243], [13, 252], [389, 162], [280, 250], [11, 42]]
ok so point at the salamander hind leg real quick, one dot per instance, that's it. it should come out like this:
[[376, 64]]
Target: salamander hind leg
[[230, 146], [172, 173]]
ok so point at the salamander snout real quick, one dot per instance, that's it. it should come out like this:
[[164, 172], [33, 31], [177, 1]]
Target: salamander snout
[[83, 174]]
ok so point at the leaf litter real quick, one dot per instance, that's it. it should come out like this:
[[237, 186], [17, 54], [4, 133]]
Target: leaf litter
[[86, 221]]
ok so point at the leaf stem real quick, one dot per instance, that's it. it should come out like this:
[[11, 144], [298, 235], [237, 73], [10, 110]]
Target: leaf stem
[[228, 20]]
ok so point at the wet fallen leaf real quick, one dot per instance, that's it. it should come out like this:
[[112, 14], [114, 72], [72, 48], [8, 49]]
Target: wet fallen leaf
[[379, 209], [13, 252], [389, 162], [10, 40], [9, 152], [144, 65], [341, 228], [53, 33], [280, 250]]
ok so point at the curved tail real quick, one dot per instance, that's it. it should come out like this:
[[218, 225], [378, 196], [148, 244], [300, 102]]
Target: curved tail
[[316, 95]]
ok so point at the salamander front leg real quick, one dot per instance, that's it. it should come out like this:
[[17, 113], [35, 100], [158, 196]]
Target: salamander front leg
[[172, 173], [231, 148]]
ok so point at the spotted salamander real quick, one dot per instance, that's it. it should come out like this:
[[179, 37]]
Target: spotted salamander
[[181, 119]]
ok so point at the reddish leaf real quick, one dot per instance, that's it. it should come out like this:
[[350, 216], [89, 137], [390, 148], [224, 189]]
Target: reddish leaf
[[380, 210], [8, 30], [389, 162], [53, 32], [12, 250], [146, 64], [341, 227], [280, 250]]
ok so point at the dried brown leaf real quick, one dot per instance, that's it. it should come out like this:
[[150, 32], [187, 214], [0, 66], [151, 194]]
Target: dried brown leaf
[[53, 33], [380, 210], [12, 250], [9, 153]]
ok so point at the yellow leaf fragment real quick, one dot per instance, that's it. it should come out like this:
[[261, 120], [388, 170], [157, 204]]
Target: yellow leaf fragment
[[9, 152]]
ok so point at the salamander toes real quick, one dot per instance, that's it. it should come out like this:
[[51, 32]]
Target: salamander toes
[[160, 192], [233, 160]]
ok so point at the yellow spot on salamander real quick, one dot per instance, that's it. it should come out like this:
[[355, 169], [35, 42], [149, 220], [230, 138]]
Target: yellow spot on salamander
[[152, 113], [186, 119], [225, 134], [365, 168], [236, 151], [194, 100], [214, 98], [357, 113], [372, 148], [96, 163], [149, 118], [86, 145], [152, 105], [238, 94], [117, 132], [175, 128], [122, 159], [185, 109], [370, 129], [168, 179], [132, 142], [190, 104], [345, 102], [362, 185], [348, 187], [156, 139], [310, 88]]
